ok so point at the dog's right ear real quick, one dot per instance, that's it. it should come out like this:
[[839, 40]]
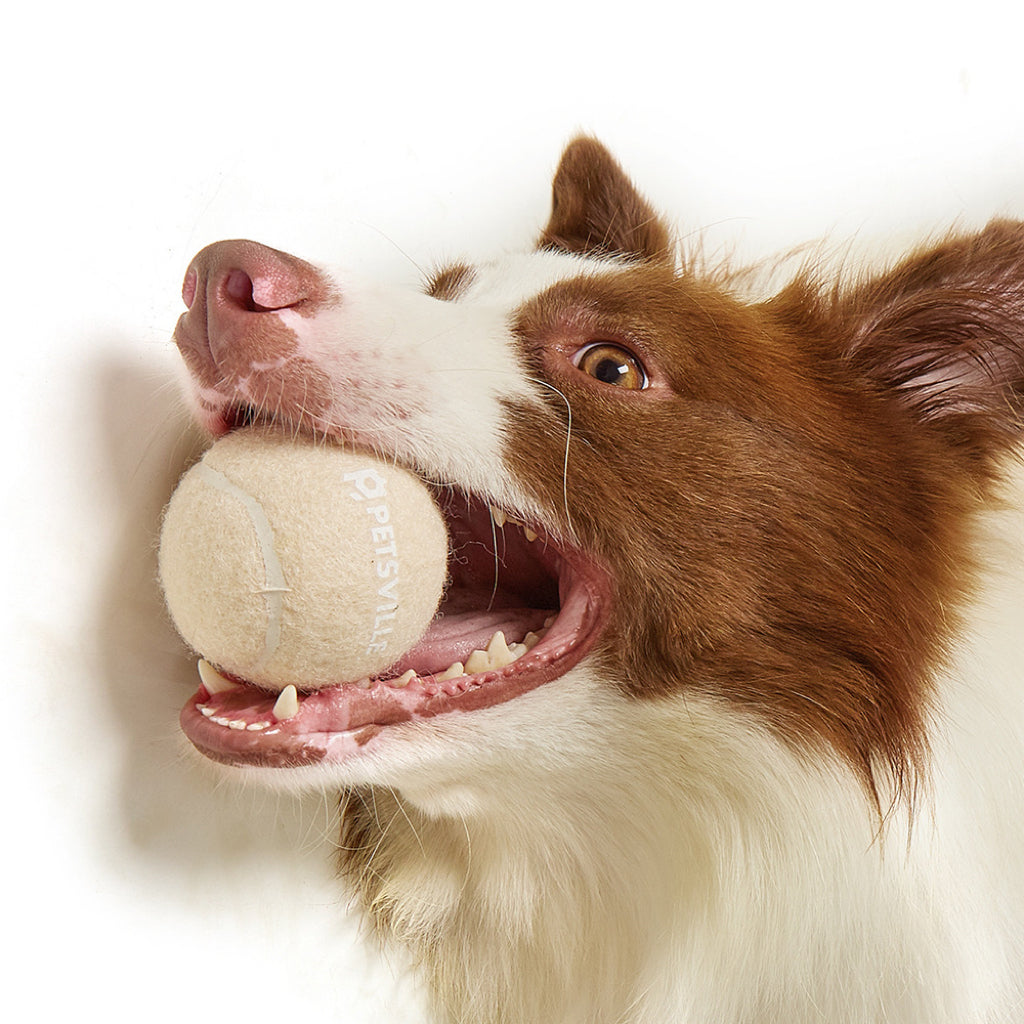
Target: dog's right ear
[[596, 210]]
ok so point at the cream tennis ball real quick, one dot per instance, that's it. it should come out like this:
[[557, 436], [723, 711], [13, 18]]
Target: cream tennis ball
[[288, 562]]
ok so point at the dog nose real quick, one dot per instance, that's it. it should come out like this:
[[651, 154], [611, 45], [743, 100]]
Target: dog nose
[[230, 286], [247, 276]]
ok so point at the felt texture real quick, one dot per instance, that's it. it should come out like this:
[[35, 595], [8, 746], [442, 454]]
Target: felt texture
[[284, 561]]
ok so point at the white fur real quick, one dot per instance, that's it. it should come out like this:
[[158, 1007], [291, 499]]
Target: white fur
[[456, 360]]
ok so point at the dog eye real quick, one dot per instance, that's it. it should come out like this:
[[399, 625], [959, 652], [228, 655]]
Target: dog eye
[[611, 364]]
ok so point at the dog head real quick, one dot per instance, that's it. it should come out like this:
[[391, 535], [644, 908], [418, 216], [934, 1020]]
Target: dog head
[[673, 488]]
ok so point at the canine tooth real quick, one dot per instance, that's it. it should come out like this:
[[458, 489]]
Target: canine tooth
[[529, 534], [287, 704], [404, 679], [501, 660], [212, 679], [498, 654], [478, 661], [497, 516], [453, 671], [497, 642]]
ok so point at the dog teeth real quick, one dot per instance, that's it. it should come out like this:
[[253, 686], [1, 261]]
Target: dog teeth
[[454, 671], [477, 662], [212, 679], [231, 723], [287, 705], [499, 652], [500, 517], [497, 655]]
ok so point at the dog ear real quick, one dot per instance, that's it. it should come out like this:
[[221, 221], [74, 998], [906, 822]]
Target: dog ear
[[596, 210], [944, 332]]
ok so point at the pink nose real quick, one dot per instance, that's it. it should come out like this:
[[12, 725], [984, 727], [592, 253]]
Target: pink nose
[[231, 286]]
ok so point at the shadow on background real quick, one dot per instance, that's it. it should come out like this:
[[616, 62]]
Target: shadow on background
[[178, 811]]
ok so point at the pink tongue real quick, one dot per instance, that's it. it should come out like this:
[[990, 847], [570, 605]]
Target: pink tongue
[[454, 637]]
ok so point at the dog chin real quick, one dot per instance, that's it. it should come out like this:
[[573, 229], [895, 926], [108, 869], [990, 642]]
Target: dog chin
[[458, 765]]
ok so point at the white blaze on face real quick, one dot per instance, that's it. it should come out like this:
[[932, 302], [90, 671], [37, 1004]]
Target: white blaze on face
[[428, 379]]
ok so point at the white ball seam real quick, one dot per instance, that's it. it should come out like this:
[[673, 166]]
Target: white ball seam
[[276, 586]]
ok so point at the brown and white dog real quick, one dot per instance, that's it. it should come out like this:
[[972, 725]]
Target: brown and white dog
[[754, 750]]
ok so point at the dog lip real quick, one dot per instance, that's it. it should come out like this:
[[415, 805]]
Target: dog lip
[[238, 727]]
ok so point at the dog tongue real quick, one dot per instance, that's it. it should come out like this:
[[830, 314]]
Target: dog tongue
[[454, 637]]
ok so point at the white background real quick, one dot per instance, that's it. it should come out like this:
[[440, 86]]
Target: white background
[[132, 887]]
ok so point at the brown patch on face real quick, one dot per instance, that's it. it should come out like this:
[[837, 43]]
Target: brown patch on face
[[451, 282], [780, 532], [785, 508]]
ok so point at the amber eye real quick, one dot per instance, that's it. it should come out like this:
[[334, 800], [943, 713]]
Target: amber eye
[[611, 364]]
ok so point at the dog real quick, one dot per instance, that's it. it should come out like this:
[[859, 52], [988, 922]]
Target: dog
[[750, 747]]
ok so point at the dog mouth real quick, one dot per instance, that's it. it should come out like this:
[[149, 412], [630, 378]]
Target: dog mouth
[[521, 608]]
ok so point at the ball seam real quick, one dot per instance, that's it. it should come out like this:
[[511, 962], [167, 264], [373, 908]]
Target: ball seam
[[275, 585]]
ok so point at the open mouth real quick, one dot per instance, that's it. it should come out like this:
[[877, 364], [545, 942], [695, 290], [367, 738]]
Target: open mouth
[[520, 609]]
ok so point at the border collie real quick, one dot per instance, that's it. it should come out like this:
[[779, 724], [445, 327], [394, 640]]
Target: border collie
[[751, 750]]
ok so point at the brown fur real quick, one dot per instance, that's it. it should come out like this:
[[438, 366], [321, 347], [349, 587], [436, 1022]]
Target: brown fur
[[450, 282], [595, 209], [749, 555]]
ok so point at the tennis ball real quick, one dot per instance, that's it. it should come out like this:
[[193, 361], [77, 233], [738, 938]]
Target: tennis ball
[[288, 562]]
